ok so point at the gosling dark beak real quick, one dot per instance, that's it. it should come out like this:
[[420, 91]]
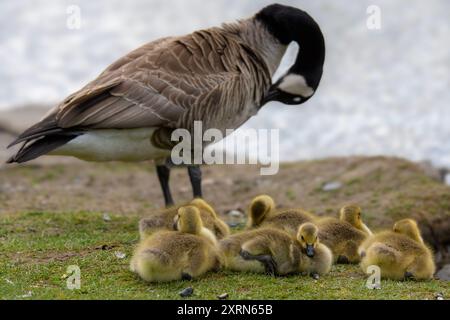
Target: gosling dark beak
[[175, 226], [310, 250]]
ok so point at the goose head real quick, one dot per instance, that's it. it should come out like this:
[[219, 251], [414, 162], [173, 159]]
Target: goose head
[[301, 81]]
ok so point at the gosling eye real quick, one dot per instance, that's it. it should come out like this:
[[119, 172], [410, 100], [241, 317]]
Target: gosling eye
[[303, 238]]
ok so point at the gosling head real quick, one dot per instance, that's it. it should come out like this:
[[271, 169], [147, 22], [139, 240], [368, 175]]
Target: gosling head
[[188, 220], [409, 228], [308, 237], [203, 205], [260, 208], [352, 214]]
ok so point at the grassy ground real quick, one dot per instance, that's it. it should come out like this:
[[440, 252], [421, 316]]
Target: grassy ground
[[37, 247]]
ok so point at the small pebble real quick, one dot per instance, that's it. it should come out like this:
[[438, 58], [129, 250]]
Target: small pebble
[[235, 218], [106, 217], [447, 179], [222, 296], [187, 292], [27, 295], [439, 296], [331, 186], [120, 255]]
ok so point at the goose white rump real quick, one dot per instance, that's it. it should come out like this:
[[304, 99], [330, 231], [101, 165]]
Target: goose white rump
[[113, 145]]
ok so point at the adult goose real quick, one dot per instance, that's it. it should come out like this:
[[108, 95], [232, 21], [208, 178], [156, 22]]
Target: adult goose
[[220, 76]]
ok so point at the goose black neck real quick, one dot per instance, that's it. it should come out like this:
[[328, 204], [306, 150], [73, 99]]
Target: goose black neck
[[289, 24]]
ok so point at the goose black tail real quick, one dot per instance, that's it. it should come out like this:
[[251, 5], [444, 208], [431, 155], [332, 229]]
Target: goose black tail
[[40, 147]]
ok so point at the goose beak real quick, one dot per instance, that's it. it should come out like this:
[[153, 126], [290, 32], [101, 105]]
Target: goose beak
[[310, 250], [271, 95]]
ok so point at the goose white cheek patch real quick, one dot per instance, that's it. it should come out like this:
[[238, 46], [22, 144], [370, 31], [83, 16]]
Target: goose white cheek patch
[[295, 84]]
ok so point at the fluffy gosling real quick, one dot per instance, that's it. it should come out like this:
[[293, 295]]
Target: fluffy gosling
[[344, 235], [262, 213], [186, 253], [319, 257], [275, 252], [165, 219], [400, 253], [231, 247]]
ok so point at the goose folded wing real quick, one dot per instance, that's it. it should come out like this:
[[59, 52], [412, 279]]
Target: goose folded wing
[[154, 86], [137, 102]]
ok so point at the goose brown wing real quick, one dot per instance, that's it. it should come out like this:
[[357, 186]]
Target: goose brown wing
[[160, 84], [153, 89]]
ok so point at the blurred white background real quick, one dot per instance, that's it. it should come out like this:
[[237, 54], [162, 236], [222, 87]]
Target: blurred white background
[[383, 92]]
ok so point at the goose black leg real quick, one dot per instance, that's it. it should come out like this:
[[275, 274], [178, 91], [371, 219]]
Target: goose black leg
[[195, 175], [163, 176]]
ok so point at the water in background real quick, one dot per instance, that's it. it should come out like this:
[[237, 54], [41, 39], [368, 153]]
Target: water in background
[[383, 92]]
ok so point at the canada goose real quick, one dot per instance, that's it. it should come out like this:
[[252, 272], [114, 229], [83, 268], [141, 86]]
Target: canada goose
[[220, 76], [400, 253], [275, 252], [262, 213], [344, 235], [173, 255], [166, 220]]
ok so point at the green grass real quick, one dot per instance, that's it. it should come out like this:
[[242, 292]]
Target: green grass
[[36, 249]]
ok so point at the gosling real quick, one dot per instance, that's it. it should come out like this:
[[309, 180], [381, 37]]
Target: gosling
[[262, 213], [319, 257], [344, 235], [401, 253], [231, 247], [186, 253], [274, 252], [165, 220]]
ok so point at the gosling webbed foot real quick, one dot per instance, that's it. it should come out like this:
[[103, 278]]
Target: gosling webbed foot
[[269, 263], [186, 276], [246, 255], [409, 276], [270, 266], [342, 260], [315, 275]]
